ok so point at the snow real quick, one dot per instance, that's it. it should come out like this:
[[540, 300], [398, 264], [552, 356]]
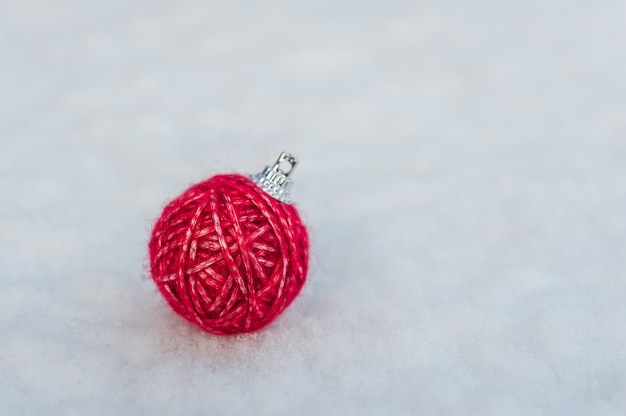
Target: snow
[[462, 171]]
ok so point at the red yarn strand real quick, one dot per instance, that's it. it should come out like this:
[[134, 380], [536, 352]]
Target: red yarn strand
[[227, 256]]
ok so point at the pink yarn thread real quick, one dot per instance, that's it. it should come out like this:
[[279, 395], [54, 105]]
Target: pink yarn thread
[[227, 256]]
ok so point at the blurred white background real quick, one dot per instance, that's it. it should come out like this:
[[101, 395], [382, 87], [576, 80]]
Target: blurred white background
[[463, 174]]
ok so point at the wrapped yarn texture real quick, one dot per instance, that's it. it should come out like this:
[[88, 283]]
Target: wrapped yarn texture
[[227, 256]]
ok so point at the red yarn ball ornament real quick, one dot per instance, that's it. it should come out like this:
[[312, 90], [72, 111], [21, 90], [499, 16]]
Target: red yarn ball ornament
[[229, 254]]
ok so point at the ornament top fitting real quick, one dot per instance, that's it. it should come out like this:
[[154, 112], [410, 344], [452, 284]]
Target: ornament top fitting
[[275, 179]]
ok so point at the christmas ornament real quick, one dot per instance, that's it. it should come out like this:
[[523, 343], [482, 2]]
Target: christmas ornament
[[231, 253]]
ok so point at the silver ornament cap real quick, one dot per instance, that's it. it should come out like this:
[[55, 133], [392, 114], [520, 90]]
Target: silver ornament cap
[[275, 179]]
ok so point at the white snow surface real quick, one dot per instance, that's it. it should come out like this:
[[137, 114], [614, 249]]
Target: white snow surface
[[462, 172]]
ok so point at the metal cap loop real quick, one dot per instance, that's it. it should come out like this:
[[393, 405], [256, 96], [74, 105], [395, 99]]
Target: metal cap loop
[[275, 179]]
